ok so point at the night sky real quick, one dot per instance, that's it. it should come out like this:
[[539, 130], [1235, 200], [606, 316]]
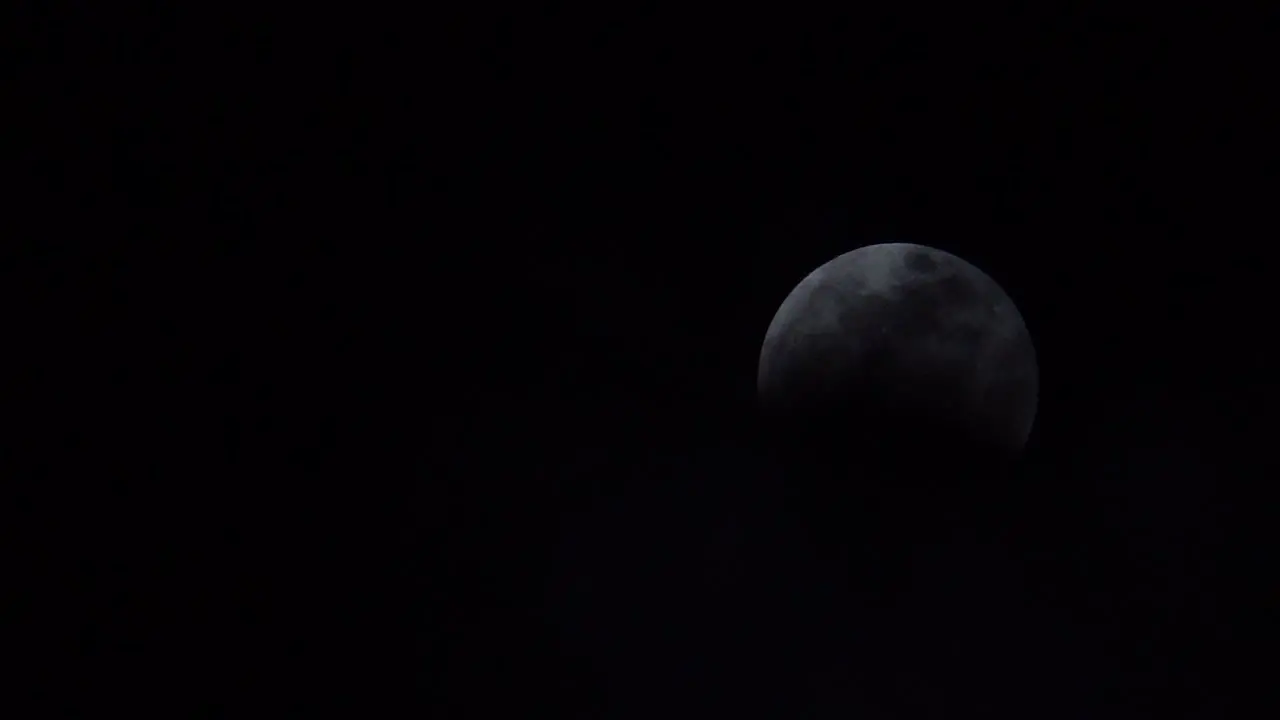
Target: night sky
[[447, 365], [635, 531]]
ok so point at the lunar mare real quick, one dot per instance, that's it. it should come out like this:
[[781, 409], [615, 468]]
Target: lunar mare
[[908, 333]]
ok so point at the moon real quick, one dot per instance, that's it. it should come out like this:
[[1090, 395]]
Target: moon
[[897, 347]]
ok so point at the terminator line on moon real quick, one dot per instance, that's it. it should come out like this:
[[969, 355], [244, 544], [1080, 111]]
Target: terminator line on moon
[[905, 332]]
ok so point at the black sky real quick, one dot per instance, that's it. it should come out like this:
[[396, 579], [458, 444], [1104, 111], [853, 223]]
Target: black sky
[[665, 195], [466, 341]]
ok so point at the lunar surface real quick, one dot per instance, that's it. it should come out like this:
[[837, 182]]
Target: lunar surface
[[900, 346]]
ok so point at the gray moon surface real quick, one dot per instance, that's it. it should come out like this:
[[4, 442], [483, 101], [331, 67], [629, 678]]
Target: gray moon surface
[[907, 334]]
